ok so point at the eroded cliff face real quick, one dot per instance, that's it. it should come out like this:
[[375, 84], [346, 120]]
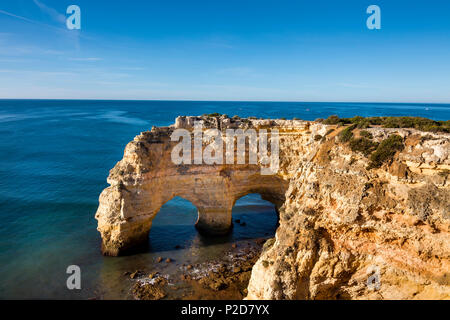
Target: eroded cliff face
[[351, 233], [147, 177], [346, 232]]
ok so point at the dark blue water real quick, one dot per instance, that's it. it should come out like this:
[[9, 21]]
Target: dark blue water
[[56, 156]]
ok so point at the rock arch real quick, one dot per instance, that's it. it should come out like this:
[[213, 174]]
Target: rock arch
[[125, 213], [146, 178]]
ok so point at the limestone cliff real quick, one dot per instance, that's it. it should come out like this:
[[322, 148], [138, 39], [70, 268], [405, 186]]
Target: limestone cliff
[[351, 233], [346, 231]]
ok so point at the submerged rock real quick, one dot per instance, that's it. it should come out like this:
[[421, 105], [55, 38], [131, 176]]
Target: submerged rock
[[153, 290]]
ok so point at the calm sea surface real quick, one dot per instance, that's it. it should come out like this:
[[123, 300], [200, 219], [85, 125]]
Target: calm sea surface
[[55, 157]]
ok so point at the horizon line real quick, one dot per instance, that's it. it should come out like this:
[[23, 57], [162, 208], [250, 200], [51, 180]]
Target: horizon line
[[200, 100]]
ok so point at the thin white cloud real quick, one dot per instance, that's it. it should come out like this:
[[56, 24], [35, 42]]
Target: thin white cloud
[[31, 51], [14, 60], [53, 52], [355, 85], [16, 16], [30, 21], [39, 73], [132, 68], [91, 59], [75, 35], [239, 72], [55, 15], [236, 71]]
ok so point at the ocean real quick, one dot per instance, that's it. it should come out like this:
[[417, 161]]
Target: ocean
[[56, 155]]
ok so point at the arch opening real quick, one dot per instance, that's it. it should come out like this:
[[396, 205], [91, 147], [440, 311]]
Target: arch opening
[[254, 216], [175, 224], [173, 227]]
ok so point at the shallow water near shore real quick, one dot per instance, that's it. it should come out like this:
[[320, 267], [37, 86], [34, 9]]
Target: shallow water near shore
[[56, 156]]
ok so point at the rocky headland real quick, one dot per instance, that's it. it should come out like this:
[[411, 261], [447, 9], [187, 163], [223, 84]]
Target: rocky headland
[[364, 210]]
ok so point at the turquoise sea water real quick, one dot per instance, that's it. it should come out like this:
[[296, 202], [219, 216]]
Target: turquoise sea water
[[55, 157]]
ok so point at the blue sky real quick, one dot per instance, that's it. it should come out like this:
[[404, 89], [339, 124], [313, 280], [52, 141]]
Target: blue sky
[[226, 50]]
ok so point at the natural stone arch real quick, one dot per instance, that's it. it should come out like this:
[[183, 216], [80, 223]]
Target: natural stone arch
[[211, 219], [268, 194], [146, 178], [125, 214]]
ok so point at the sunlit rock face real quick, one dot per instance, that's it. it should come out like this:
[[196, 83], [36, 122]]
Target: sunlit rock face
[[346, 232], [351, 233]]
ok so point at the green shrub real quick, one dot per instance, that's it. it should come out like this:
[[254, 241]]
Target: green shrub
[[386, 151], [317, 137], [363, 124], [366, 134], [346, 134], [334, 119], [358, 121], [215, 114], [268, 244], [419, 123], [329, 131], [363, 145], [355, 119], [376, 121]]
